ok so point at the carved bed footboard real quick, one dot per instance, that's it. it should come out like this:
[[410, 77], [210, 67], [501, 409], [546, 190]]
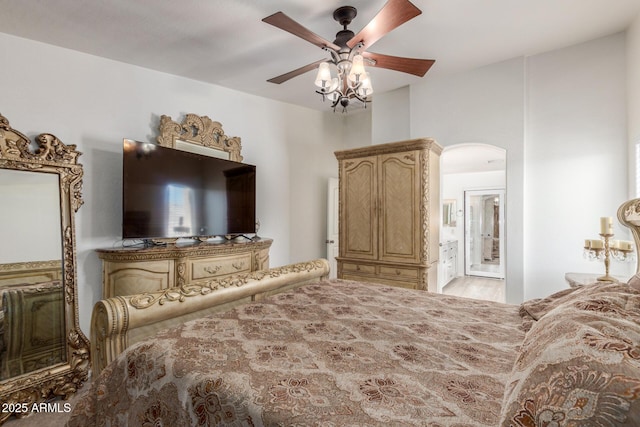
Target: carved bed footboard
[[119, 322], [629, 215]]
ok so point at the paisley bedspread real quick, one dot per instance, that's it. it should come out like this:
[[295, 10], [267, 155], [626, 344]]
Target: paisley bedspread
[[333, 353]]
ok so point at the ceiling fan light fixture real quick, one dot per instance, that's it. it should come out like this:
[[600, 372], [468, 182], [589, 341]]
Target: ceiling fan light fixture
[[351, 81], [343, 76]]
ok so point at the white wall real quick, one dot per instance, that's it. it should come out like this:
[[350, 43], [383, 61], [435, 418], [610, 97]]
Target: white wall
[[95, 103], [561, 116], [356, 128], [575, 157], [391, 116], [311, 150], [633, 101]]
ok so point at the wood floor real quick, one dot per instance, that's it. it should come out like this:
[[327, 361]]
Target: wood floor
[[477, 288]]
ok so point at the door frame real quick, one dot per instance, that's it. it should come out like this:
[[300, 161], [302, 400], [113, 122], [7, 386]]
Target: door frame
[[333, 225]]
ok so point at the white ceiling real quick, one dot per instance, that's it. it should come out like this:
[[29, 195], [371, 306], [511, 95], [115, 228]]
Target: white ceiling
[[225, 42]]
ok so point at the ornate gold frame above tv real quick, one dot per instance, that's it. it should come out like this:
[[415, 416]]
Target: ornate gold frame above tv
[[198, 130]]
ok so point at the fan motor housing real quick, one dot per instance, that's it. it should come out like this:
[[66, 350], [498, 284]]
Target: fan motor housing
[[342, 37], [345, 14]]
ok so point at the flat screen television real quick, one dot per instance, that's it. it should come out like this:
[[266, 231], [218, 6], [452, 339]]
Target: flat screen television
[[169, 193]]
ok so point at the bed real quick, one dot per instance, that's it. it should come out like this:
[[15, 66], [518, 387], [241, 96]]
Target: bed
[[286, 346]]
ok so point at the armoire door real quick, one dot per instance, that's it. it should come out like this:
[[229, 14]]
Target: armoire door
[[359, 200], [400, 196]]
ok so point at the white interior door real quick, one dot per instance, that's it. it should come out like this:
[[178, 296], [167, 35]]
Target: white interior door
[[484, 233], [332, 226]]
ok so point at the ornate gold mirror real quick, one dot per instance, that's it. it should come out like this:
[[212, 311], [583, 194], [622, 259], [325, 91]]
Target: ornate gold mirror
[[43, 352], [199, 131]]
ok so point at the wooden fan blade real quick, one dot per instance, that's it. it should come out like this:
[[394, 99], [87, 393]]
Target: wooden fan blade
[[392, 15], [417, 67], [282, 21], [291, 74]]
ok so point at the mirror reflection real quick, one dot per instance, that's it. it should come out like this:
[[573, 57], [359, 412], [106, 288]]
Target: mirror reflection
[[449, 213], [484, 231], [32, 324]]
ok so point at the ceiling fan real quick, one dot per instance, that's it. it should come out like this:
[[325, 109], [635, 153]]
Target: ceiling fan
[[349, 52]]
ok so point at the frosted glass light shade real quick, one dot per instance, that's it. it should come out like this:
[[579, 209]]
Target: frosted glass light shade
[[335, 82], [323, 78], [357, 69], [366, 88]]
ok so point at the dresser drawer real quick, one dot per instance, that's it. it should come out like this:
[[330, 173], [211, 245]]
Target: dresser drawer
[[214, 267], [399, 272], [401, 275], [128, 278], [349, 267]]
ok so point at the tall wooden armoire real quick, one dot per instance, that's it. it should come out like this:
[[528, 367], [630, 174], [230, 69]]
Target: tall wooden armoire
[[389, 213]]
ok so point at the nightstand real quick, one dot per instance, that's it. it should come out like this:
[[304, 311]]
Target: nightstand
[[580, 279]]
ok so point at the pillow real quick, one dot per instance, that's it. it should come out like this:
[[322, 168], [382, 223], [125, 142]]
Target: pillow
[[634, 282], [580, 363], [535, 309]]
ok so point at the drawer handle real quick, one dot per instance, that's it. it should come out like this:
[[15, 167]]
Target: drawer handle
[[357, 268], [398, 272], [238, 265], [213, 270]]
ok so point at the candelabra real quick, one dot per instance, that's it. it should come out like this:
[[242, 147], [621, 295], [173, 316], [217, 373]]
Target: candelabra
[[605, 248]]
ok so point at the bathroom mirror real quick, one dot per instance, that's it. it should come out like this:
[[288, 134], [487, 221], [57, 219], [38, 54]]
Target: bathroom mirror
[[43, 352], [449, 213]]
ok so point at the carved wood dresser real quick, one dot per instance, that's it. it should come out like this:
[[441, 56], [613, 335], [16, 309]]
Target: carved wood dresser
[[128, 271]]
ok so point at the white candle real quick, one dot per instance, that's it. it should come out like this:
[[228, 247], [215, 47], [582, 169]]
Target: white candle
[[606, 225], [597, 244]]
